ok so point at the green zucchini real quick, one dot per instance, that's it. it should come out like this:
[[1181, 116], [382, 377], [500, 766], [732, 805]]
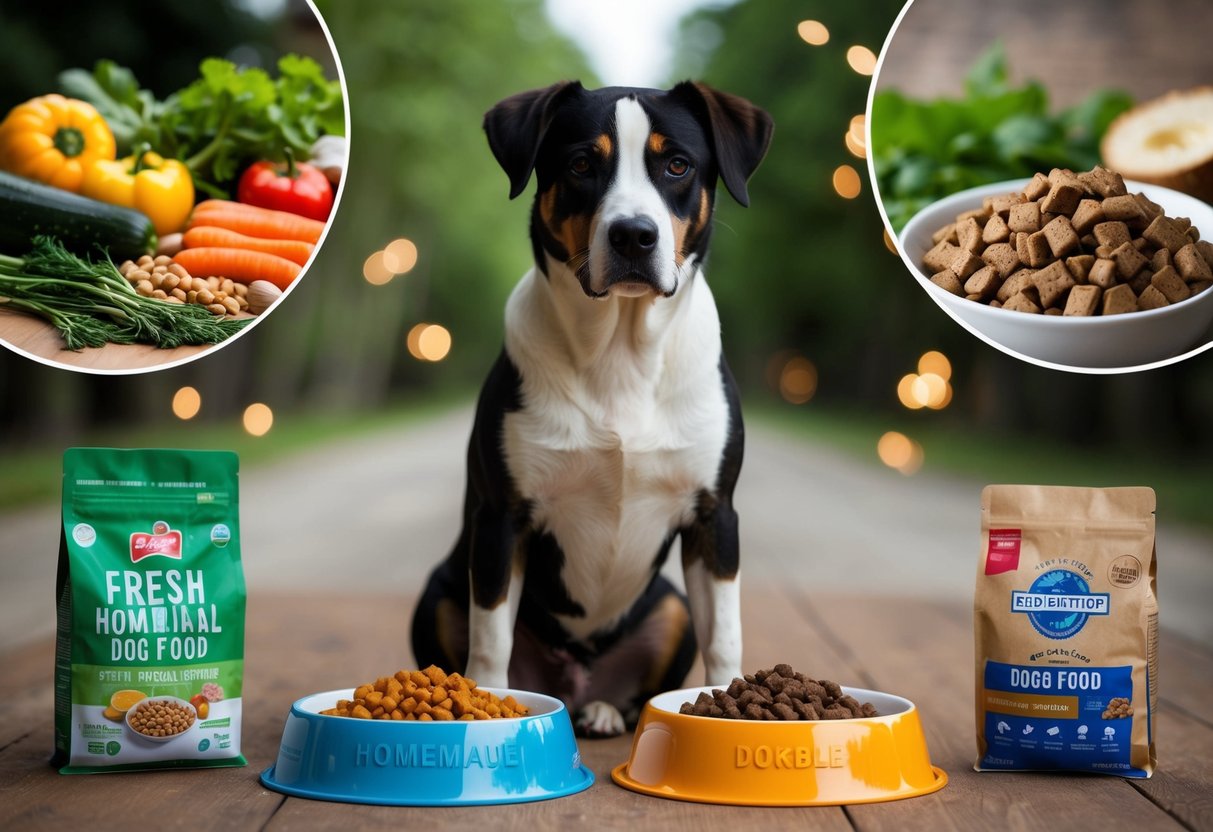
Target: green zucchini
[[84, 226]]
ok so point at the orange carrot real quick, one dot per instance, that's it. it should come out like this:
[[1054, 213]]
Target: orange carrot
[[256, 222], [209, 236], [241, 265]]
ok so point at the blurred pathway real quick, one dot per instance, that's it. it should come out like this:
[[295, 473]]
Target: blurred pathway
[[372, 514]]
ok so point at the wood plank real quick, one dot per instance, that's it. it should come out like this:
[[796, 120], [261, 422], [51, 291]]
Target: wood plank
[[922, 651], [1186, 675], [301, 643], [1182, 782], [33, 337]]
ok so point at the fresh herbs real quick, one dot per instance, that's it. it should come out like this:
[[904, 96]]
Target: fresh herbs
[[228, 117], [925, 150], [91, 304]]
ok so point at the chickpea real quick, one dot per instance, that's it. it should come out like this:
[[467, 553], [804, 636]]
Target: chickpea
[[179, 270], [162, 260], [216, 309], [159, 294], [169, 282], [232, 306], [144, 287], [206, 297]]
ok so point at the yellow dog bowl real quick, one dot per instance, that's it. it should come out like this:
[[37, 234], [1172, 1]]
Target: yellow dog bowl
[[749, 763]]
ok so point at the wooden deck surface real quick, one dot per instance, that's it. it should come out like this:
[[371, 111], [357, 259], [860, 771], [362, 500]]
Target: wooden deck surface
[[300, 643]]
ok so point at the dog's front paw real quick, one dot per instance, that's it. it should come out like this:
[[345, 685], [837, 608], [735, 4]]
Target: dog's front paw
[[598, 720]]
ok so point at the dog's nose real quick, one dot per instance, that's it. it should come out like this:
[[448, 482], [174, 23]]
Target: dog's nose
[[633, 237]]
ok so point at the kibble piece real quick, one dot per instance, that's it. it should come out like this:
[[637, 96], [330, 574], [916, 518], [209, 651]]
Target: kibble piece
[[964, 263], [1160, 260], [1003, 204], [1022, 303], [1038, 249], [984, 283], [1021, 245], [1061, 237], [947, 233], [1014, 284], [1080, 266], [1119, 299], [1083, 300], [940, 256], [1165, 233], [1168, 281], [1198, 286], [1191, 265], [1051, 282], [1062, 198], [1149, 208], [1087, 215], [1151, 298], [1024, 217], [1002, 257], [1124, 208], [968, 235], [1060, 175], [996, 231], [1099, 180], [1112, 234], [1205, 249], [980, 214], [1129, 261], [1038, 187]]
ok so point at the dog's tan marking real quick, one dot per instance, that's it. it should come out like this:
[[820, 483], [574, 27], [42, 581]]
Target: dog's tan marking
[[669, 622], [574, 234], [656, 142], [603, 143]]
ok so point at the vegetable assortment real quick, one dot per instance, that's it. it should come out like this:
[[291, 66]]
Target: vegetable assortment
[[70, 207]]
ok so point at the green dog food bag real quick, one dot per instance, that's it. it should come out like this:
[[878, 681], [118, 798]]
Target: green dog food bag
[[149, 656]]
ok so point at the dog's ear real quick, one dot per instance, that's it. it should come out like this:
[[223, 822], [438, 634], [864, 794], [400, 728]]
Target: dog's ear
[[516, 126], [741, 133]]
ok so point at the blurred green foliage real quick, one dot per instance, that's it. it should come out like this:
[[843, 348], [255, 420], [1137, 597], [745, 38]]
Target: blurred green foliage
[[926, 150], [803, 268]]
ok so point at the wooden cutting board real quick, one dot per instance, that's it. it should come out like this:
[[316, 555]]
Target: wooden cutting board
[[35, 338]]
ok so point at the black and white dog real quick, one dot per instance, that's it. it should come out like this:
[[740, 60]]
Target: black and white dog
[[610, 423]]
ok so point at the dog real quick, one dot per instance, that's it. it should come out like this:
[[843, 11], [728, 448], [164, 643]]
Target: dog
[[610, 424]]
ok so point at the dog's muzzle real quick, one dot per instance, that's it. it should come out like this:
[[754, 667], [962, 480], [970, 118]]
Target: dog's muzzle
[[632, 268]]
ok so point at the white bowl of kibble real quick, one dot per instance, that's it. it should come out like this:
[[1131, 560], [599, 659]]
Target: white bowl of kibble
[[161, 718], [1131, 335]]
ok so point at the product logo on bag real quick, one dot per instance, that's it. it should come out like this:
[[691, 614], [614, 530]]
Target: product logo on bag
[[1059, 603], [162, 541]]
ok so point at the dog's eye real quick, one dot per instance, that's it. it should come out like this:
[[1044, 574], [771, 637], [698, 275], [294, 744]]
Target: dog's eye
[[677, 167], [579, 165]]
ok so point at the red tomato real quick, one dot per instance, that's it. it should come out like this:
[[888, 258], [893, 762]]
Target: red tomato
[[298, 188]]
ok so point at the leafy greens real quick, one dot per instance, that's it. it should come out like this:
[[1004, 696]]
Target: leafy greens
[[230, 116], [926, 150]]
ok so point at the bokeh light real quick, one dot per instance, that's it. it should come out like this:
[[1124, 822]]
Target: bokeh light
[[798, 380], [375, 270], [429, 342], [813, 32], [855, 148], [900, 452], [906, 393], [258, 419], [933, 361], [400, 256], [186, 403], [862, 59], [846, 182], [888, 242]]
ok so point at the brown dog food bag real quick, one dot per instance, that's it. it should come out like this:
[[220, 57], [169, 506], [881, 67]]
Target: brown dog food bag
[[1066, 621]]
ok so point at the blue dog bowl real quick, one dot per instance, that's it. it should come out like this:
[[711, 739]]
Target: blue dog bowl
[[396, 763]]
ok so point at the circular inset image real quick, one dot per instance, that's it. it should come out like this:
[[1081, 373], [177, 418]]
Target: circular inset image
[[156, 200], [1046, 173]]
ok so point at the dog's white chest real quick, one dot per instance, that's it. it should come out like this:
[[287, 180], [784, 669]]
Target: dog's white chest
[[612, 486]]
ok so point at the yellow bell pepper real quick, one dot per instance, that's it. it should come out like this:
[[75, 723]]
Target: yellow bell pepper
[[158, 187], [54, 140]]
